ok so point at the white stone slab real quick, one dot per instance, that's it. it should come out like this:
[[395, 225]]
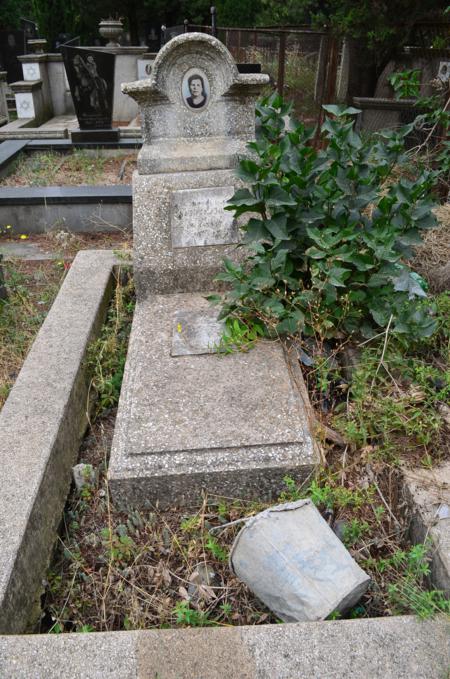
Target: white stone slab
[[196, 332], [144, 67], [31, 71], [25, 105], [198, 217]]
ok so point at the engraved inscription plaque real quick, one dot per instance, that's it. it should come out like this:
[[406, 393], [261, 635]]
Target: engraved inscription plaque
[[196, 332], [198, 218]]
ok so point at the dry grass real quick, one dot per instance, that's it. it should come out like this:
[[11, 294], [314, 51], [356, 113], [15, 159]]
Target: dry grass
[[78, 168], [31, 290], [117, 568], [434, 253]]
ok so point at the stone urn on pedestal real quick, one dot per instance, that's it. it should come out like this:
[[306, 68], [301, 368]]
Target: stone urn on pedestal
[[111, 29]]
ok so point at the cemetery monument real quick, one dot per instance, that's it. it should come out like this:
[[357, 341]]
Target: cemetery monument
[[190, 419]]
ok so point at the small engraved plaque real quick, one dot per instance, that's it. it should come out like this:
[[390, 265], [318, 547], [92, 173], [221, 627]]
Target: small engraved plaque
[[198, 218], [196, 332]]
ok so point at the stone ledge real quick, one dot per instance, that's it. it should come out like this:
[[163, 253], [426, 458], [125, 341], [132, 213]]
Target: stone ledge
[[67, 195], [379, 648], [428, 490], [26, 86], [9, 150], [39, 444]]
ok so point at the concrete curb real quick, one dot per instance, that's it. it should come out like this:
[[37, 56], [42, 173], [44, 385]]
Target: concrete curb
[[39, 444], [381, 648], [428, 491]]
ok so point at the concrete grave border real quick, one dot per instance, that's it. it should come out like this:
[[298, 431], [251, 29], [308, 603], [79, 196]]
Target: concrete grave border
[[79, 209], [41, 426], [38, 446], [377, 648]]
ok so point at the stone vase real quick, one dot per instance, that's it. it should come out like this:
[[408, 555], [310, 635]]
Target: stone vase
[[111, 29]]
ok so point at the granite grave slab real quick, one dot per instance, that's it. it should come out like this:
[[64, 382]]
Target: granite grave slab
[[192, 419]]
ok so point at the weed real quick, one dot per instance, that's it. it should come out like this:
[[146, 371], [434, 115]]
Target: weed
[[107, 354], [328, 233], [31, 292], [292, 492], [191, 524], [185, 615], [407, 592], [215, 549], [354, 531]]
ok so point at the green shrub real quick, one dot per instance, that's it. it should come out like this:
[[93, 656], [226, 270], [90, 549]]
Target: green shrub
[[329, 231]]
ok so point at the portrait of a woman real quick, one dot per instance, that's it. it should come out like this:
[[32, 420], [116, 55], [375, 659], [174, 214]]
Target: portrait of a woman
[[195, 89], [197, 98]]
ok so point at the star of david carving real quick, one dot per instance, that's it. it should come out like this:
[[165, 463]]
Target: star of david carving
[[31, 71]]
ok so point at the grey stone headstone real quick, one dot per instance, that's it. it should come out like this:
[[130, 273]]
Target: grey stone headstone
[[198, 116]]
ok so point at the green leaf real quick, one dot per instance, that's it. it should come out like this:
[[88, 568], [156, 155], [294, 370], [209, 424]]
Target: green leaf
[[242, 197], [248, 170], [340, 109], [279, 261], [277, 196], [406, 282], [277, 226], [315, 253], [262, 282], [338, 276], [255, 231]]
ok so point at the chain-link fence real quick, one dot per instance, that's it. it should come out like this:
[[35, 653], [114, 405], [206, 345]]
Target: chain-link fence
[[302, 64]]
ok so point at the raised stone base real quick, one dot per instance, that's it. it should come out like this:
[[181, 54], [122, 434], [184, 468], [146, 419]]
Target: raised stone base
[[190, 420], [91, 136]]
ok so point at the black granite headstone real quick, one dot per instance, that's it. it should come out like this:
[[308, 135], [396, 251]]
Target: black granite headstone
[[91, 79], [12, 45]]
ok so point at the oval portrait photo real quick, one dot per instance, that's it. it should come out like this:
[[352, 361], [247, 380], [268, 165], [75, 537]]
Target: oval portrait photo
[[195, 89]]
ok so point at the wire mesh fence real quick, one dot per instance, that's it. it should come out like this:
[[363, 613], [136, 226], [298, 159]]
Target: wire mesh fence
[[312, 67], [302, 63]]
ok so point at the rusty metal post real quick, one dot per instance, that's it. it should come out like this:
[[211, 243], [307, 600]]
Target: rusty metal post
[[281, 63], [3, 293], [333, 58], [213, 22]]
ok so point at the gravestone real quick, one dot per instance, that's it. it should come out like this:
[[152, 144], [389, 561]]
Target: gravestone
[[189, 418], [91, 80], [12, 45]]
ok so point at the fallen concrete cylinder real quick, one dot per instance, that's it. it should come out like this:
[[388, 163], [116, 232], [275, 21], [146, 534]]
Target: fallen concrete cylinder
[[291, 559]]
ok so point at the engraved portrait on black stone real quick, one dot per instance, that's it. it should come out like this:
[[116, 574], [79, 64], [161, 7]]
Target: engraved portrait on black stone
[[91, 80]]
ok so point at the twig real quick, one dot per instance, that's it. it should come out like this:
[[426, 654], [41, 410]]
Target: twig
[[382, 498], [430, 134], [386, 335], [344, 460], [230, 523]]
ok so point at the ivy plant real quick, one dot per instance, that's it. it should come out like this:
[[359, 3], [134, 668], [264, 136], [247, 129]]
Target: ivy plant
[[329, 231]]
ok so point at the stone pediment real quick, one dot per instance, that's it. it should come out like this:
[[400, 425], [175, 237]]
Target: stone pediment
[[197, 109]]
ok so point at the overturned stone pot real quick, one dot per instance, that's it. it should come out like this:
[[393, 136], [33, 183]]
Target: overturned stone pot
[[291, 559]]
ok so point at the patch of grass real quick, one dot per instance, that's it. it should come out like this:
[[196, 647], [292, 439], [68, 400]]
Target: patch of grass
[[46, 168], [107, 354], [31, 290], [394, 396]]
